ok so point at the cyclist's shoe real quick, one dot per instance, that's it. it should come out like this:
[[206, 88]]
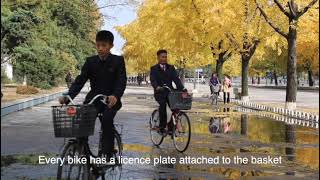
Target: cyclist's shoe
[[163, 132], [108, 161]]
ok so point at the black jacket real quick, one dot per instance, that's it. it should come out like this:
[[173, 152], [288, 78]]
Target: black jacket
[[158, 77], [106, 77]]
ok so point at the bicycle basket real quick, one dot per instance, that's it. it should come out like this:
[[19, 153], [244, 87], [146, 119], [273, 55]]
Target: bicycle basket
[[216, 88], [180, 100], [74, 120]]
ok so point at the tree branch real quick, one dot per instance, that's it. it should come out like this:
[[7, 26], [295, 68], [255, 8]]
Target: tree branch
[[253, 47], [305, 9], [233, 41], [292, 9], [113, 5], [281, 7], [227, 55], [277, 29]]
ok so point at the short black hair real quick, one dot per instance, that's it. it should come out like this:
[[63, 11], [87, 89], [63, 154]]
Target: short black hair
[[105, 36], [161, 51]]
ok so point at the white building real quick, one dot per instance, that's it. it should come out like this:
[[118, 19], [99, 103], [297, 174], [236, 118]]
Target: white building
[[7, 67]]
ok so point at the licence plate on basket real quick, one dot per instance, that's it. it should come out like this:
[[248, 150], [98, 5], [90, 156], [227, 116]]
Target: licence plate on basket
[[71, 111]]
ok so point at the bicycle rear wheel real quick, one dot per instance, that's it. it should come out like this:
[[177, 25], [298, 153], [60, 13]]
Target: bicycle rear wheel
[[154, 124], [182, 132], [70, 171]]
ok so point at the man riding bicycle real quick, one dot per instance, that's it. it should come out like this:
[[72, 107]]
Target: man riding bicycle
[[107, 75], [163, 74]]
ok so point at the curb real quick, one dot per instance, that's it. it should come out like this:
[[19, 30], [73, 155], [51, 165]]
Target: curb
[[308, 89], [278, 110], [27, 103], [278, 117]]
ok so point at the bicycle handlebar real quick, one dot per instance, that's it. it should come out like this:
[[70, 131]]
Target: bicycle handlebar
[[167, 87], [104, 100]]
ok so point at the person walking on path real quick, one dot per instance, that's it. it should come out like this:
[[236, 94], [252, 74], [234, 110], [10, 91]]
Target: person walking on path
[[226, 88], [69, 79], [139, 79]]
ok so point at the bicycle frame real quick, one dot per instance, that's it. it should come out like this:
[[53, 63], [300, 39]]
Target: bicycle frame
[[174, 114], [83, 141]]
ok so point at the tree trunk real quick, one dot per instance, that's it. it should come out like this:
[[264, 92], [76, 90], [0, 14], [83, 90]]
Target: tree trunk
[[275, 76], [182, 75], [244, 76], [252, 80], [310, 78], [290, 138], [219, 67], [244, 124], [259, 79], [291, 89]]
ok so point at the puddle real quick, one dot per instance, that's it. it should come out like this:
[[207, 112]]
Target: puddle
[[255, 134]]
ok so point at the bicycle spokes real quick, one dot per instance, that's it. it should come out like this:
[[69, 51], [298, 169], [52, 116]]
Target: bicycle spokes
[[154, 123], [182, 132], [72, 170]]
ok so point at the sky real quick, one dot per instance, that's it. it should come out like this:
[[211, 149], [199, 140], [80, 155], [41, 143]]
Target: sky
[[121, 15]]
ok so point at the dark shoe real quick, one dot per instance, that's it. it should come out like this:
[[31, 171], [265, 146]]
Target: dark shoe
[[163, 132], [108, 163]]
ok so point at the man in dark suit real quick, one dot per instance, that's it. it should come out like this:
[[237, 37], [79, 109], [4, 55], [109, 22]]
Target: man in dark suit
[[107, 75], [163, 74]]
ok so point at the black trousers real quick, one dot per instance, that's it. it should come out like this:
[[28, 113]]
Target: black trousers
[[107, 128], [226, 97], [162, 100]]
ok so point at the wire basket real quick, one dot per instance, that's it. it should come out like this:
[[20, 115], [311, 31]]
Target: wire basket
[[74, 120], [215, 88], [180, 100]]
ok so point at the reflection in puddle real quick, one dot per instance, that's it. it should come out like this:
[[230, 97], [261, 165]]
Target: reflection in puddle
[[257, 134]]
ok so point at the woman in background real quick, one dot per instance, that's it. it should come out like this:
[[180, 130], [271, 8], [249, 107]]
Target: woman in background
[[214, 84], [226, 88]]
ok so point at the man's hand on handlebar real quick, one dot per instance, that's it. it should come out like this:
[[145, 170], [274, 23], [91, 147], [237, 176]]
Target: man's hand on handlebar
[[111, 101], [63, 100], [159, 88]]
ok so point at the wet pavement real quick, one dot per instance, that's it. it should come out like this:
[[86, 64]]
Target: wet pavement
[[224, 131]]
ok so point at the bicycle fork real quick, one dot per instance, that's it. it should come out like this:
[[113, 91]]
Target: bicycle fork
[[100, 144]]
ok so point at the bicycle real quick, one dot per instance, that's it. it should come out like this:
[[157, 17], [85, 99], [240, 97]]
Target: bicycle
[[77, 122], [181, 128], [215, 95]]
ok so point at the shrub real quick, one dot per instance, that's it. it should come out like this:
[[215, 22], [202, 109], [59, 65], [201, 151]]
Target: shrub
[[44, 86], [27, 90], [4, 78]]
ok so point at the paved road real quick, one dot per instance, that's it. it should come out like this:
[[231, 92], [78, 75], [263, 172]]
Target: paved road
[[305, 99], [30, 132]]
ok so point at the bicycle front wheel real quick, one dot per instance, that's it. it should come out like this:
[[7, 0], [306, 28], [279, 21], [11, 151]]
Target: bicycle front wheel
[[114, 172], [154, 124], [72, 170], [182, 132]]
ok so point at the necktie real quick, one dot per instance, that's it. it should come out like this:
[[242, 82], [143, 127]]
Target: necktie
[[163, 67]]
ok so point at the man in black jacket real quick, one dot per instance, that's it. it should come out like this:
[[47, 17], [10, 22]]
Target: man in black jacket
[[163, 74], [107, 75]]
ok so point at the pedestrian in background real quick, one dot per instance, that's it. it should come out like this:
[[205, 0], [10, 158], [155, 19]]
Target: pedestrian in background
[[214, 84], [226, 88], [68, 79]]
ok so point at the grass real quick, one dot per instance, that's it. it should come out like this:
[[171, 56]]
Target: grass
[[10, 94], [27, 159]]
